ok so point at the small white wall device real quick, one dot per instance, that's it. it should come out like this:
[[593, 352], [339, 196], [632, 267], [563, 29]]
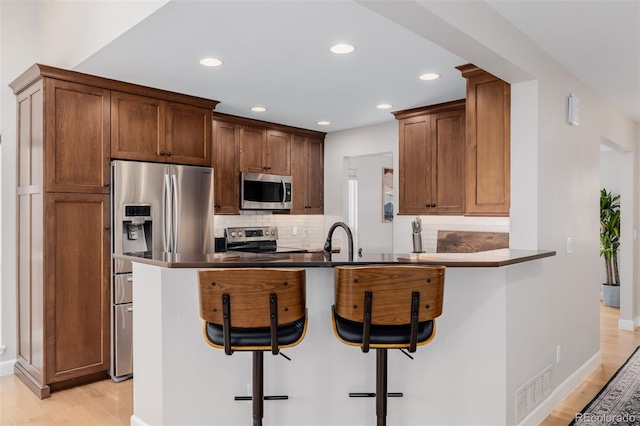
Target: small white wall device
[[573, 115]]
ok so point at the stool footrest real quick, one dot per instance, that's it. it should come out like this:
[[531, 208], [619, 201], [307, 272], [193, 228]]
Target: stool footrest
[[373, 395], [266, 398]]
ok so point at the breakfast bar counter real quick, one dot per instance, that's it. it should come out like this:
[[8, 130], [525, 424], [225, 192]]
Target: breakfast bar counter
[[493, 258], [459, 378]]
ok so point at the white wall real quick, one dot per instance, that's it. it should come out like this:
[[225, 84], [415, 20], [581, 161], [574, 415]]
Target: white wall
[[57, 33], [548, 305]]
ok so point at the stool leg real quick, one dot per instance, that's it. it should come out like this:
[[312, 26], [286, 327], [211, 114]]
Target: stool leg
[[381, 386], [258, 388]]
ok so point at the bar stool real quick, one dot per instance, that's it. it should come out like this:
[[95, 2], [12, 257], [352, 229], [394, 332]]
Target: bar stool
[[386, 307], [253, 309]]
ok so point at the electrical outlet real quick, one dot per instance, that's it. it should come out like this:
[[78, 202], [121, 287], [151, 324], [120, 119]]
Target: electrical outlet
[[569, 245], [294, 230], [558, 353]]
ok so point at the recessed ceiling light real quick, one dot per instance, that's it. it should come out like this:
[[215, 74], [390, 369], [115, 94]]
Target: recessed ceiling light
[[342, 48], [429, 76], [258, 109], [211, 62], [323, 123], [384, 106]]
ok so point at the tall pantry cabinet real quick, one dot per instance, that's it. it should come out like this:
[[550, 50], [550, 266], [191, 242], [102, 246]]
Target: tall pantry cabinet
[[63, 143], [70, 126]]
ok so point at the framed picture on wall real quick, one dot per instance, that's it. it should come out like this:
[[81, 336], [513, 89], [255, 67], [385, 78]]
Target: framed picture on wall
[[387, 194]]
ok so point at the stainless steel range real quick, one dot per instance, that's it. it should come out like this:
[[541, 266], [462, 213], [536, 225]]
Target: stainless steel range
[[257, 239]]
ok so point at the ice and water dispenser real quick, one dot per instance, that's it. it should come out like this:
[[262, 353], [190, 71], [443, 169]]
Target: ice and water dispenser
[[137, 229]]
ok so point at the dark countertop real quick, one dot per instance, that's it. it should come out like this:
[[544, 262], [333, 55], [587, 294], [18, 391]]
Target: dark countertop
[[492, 259]]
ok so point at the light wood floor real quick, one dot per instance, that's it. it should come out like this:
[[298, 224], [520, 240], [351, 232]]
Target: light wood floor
[[616, 346], [109, 403], [100, 403]]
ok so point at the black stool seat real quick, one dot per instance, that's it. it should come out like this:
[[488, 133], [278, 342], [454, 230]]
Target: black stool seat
[[248, 337], [352, 332]]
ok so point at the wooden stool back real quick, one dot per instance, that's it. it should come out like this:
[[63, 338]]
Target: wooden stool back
[[249, 290], [392, 288]]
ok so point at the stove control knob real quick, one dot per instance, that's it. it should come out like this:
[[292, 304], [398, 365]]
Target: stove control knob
[[233, 233], [239, 233]]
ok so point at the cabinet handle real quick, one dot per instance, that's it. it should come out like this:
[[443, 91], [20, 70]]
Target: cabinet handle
[[161, 152], [169, 154], [107, 227]]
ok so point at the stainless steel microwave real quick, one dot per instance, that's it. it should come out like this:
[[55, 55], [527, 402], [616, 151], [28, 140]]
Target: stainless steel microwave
[[259, 191]]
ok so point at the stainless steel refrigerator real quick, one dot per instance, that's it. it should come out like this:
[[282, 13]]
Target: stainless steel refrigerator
[[155, 207]]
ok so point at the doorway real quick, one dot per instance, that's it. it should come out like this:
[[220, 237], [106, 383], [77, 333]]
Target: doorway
[[371, 194]]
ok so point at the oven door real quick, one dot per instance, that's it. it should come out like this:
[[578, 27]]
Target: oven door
[[260, 191]]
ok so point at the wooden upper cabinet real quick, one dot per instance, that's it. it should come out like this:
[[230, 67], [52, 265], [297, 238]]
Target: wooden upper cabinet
[[265, 151], [277, 153], [150, 129], [137, 127], [307, 172], [252, 141], [225, 167], [188, 131], [76, 137], [448, 165], [431, 159], [488, 131]]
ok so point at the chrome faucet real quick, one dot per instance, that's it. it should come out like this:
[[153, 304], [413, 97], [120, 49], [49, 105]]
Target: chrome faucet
[[327, 244]]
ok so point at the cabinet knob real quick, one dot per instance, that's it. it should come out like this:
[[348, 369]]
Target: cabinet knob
[[161, 152], [169, 154], [433, 204], [107, 227]]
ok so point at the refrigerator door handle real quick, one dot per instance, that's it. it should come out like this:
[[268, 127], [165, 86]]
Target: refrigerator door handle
[[166, 207], [174, 215]]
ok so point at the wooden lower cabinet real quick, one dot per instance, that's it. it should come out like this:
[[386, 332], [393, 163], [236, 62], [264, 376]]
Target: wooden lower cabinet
[[63, 292]]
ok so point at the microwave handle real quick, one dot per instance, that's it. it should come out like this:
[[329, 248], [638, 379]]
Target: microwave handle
[[284, 192]]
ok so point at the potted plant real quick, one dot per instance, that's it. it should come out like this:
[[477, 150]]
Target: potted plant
[[609, 245]]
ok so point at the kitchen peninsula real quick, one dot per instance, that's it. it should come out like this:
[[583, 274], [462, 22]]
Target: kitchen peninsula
[[459, 378]]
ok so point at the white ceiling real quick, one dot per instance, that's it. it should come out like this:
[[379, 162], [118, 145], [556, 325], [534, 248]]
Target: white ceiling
[[276, 55]]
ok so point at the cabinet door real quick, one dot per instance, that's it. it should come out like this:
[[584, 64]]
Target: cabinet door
[[252, 142], [77, 137], [315, 177], [299, 174], [77, 247], [188, 135], [488, 146], [447, 163], [278, 152], [415, 168], [307, 173], [137, 127], [225, 168]]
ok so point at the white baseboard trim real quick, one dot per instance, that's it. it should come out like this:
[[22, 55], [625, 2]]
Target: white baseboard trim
[[135, 421], [628, 325], [546, 407], [6, 367]]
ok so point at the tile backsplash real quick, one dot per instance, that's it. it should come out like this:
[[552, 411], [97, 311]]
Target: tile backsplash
[[309, 231], [297, 231]]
